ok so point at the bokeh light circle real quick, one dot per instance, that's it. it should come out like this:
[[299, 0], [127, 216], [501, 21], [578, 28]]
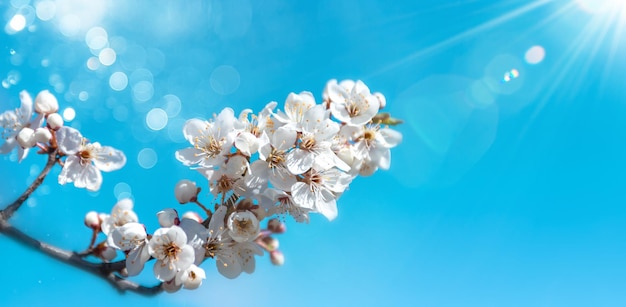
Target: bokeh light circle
[[118, 81], [535, 55], [156, 119], [147, 158]]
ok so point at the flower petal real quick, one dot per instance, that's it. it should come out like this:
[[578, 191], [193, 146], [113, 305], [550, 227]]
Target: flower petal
[[69, 140], [109, 159]]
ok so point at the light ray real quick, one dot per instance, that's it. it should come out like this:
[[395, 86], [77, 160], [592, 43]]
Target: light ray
[[468, 33]]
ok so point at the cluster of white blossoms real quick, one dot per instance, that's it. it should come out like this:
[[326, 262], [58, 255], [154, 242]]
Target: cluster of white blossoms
[[297, 160], [23, 129], [292, 161]]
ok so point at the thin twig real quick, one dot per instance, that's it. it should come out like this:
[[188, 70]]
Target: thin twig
[[8, 212]]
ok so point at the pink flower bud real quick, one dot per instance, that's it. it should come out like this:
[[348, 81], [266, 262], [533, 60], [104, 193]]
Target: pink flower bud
[[92, 220], [46, 103], [276, 226], [55, 121], [277, 257], [186, 191], [271, 244]]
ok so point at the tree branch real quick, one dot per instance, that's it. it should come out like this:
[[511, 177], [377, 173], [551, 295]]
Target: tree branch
[[102, 270], [8, 212]]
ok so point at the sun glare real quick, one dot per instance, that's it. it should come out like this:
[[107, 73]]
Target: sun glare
[[602, 6]]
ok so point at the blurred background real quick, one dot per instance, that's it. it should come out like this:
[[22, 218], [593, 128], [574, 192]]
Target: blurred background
[[508, 188]]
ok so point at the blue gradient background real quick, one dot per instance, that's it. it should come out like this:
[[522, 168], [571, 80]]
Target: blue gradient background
[[503, 196]]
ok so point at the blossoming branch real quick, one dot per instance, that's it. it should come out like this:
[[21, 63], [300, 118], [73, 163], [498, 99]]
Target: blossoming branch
[[291, 161]]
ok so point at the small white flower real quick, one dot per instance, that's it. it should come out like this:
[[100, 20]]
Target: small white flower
[[318, 189], [169, 247], [243, 226], [284, 203], [231, 257], [296, 106], [212, 141], [121, 214], [271, 164], [86, 160], [191, 278], [355, 105], [12, 123], [314, 143], [228, 177], [46, 103], [372, 144], [185, 191], [131, 238]]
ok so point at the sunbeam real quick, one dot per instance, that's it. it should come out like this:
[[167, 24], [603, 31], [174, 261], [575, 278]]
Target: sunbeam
[[467, 33]]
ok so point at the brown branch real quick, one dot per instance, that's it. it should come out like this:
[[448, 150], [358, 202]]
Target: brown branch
[[8, 212], [102, 270]]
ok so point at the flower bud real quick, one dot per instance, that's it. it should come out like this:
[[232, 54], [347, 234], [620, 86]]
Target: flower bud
[[55, 121], [26, 138], [276, 226], [277, 257], [107, 253], [192, 277], [168, 218], [186, 191], [381, 99], [46, 103], [42, 135], [271, 244], [171, 286], [92, 220], [193, 216]]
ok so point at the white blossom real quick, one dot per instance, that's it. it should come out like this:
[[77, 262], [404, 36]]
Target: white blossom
[[352, 105], [191, 278], [169, 247], [211, 141], [121, 214], [131, 238], [12, 122], [296, 106], [231, 257], [243, 226], [314, 143], [271, 164], [318, 190], [86, 160]]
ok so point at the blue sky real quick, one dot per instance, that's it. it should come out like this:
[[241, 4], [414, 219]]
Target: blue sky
[[506, 191]]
